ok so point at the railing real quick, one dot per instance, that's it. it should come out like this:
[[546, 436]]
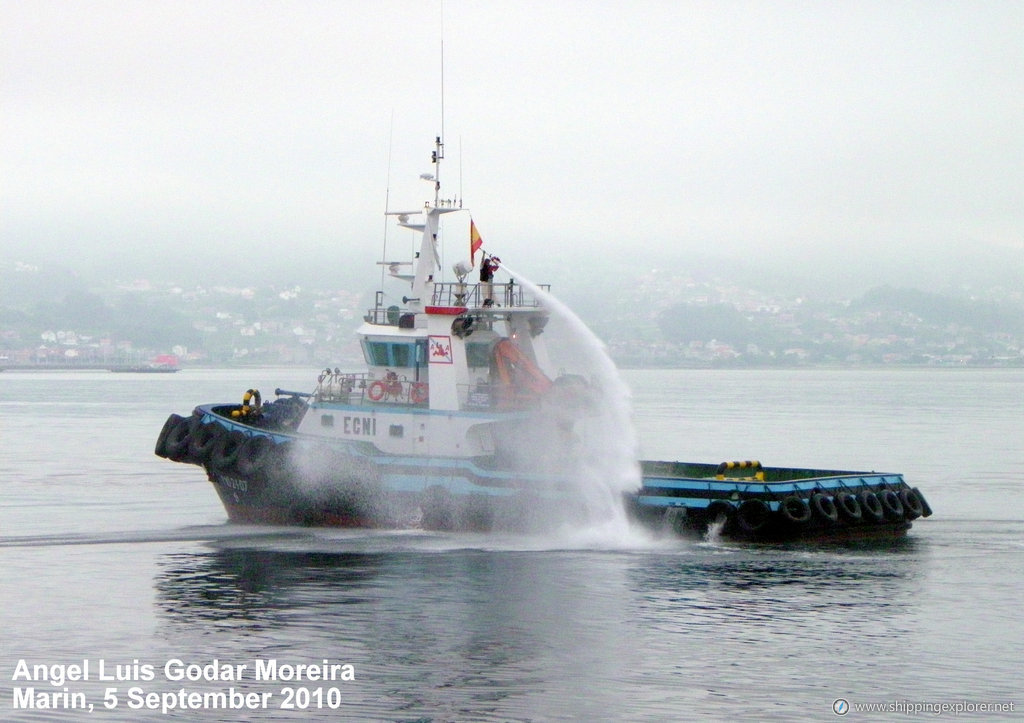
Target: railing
[[393, 390], [336, 386], [477, 295], [347, 388], [472, 296], [389, 316]]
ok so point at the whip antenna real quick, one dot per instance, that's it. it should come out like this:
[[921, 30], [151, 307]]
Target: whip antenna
[[442, 69], [387, 199]]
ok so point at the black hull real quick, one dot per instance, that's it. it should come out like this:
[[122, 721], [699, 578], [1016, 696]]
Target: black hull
[[358, 504], [362, 502]]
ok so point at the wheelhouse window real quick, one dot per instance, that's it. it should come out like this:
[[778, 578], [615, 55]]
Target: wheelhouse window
[[394, 353], [376, 353], [401, 355]]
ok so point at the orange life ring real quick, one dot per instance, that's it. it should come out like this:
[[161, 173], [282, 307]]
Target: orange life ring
[[419, 393], [376, 391]]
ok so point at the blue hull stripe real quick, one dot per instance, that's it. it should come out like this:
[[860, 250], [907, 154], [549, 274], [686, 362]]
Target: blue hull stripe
[[465, 476]]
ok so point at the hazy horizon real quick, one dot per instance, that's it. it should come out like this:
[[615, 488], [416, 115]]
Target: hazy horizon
[[852, 144]]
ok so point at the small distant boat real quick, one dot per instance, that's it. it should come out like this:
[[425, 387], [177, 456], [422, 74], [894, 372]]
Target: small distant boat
[[440, 431], [160, 364]]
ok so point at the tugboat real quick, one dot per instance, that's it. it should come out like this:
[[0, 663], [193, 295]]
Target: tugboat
[[460, 422]]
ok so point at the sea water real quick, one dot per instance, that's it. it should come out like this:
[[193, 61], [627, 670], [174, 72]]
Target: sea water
[[112, 554]]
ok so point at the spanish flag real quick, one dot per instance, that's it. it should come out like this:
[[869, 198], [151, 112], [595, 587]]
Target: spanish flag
[[475, 242]]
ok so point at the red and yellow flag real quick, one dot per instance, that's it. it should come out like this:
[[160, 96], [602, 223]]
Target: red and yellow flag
[[475, 242]]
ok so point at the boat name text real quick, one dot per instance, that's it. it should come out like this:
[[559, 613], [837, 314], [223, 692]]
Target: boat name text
[[364, 426]]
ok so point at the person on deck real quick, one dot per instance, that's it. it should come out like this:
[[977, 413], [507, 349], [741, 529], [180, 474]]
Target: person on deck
[[487, 268]]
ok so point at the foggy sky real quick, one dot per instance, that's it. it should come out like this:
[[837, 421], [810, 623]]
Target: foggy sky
[[852, 134]]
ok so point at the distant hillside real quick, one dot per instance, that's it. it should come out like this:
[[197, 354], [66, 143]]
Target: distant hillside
[[23, 284], [40, 299], [691, 322], [658, 315], [943, 309]]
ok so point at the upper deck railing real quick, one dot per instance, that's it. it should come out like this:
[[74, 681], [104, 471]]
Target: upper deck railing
[[453, 294], [484, 295]]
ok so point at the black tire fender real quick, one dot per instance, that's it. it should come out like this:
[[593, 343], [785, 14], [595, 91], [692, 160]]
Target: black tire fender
[[924, 503], [224, 454], [718, 510], [204, 437], [824, 507], [253, 455], [178, 438], [795, 509], [753, 515], [871, 506], [160, 449], [891, 505], [849, 507], [912, 506]]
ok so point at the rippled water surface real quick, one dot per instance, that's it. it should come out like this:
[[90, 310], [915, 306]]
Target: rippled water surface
[[110, 553]]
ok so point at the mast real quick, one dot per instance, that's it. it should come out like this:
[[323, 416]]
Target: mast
[[435, 158], [428, 259]]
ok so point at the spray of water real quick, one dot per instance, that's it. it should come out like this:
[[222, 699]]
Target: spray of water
[[327, 478], [714, 532], [604, 463], [607, 463]]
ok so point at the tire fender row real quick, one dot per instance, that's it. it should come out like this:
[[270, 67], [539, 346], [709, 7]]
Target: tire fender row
[[861, 505], [192, 441]]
